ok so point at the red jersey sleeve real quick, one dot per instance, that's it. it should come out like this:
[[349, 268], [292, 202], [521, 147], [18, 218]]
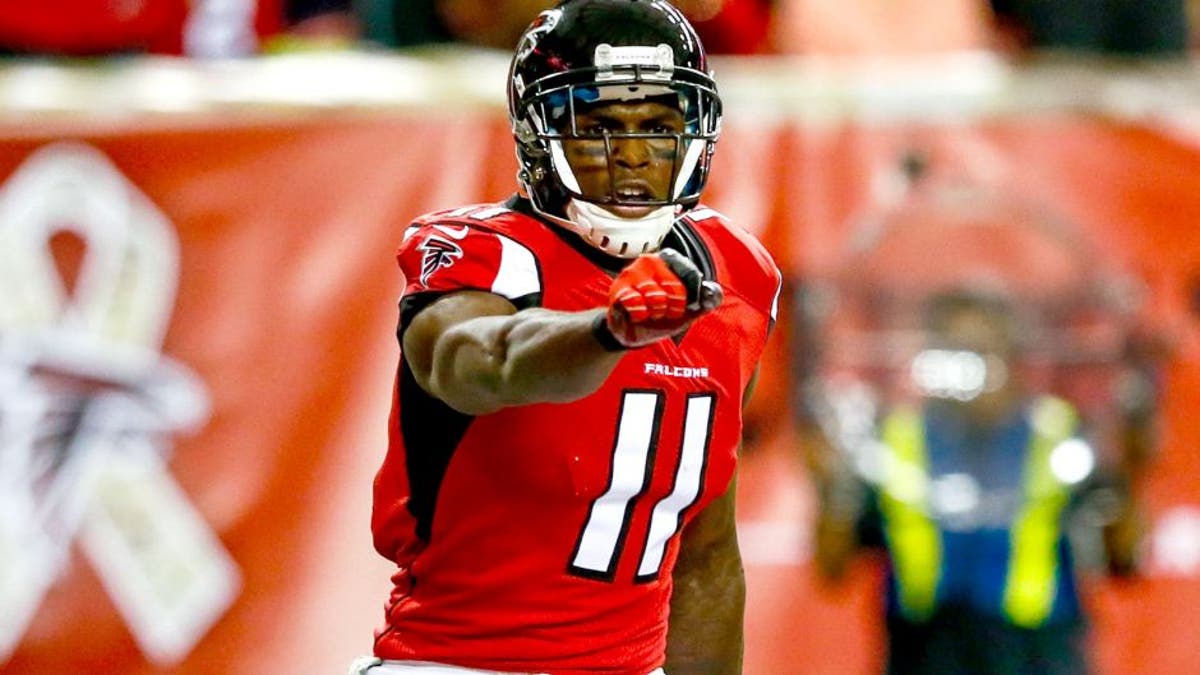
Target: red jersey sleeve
[[754, 274], [442, 257]]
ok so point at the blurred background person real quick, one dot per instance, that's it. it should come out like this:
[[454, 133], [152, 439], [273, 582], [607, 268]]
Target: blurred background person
[[970, 492], [979, 421]]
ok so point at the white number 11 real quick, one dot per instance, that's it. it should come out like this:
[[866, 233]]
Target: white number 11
[[603, 536]]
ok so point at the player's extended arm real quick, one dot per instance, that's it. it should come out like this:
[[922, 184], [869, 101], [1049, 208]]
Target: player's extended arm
[[478, 354], [708, 601]]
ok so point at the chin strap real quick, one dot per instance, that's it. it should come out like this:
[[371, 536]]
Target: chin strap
[[617, 236]]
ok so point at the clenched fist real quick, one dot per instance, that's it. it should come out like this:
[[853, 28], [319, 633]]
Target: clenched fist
[[656, 296]]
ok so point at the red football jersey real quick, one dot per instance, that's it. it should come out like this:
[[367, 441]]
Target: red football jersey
[[541, 538]]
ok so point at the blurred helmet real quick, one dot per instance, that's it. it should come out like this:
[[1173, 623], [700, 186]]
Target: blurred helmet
[[587, 52]]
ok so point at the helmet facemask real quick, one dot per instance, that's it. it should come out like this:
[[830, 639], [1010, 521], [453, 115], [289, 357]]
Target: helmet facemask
[[546, 115]]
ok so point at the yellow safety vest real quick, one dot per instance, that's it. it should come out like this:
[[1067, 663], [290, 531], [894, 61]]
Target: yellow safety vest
[[914, 539]]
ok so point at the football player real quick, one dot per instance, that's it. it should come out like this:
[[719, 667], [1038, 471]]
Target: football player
[[558, 491]]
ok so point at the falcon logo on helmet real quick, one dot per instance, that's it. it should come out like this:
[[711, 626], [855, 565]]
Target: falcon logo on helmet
[[587, 52]]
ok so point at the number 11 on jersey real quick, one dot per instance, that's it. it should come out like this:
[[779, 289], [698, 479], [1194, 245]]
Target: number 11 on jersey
[[603, 536]]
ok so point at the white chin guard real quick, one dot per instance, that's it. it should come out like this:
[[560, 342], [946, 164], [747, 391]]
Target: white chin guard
[[617, 236]]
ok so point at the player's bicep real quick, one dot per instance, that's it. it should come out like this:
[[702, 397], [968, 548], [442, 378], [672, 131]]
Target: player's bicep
[[431, 345]]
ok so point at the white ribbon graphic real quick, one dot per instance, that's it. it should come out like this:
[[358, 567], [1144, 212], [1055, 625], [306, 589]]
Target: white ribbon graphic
[[87, 405]]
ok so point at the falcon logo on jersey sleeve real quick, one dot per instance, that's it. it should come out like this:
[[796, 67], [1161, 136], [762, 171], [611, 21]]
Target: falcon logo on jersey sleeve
[[444, 257], [436, 254]]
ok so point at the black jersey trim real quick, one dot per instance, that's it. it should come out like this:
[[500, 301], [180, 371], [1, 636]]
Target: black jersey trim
[[432, 432], [684, 238]]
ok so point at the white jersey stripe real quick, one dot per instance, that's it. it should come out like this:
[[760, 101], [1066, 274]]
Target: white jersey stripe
[[665, 520], [598, 545], [518, 273]]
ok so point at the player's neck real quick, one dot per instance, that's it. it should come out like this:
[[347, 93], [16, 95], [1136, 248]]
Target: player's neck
[[606, 262]]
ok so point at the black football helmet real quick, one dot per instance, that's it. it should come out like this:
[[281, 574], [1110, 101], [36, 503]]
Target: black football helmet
[[591, 51]]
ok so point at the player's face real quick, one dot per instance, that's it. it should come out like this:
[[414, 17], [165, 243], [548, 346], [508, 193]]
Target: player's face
[[610, 165]]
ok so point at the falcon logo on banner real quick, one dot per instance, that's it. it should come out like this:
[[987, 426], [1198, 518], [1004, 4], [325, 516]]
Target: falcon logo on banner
[[438, 253], [88, 403]]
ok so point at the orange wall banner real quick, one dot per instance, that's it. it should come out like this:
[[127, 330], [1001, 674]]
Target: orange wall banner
[[196, 473], [197, 346]]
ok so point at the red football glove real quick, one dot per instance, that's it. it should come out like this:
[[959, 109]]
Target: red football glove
[[656, 296]]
